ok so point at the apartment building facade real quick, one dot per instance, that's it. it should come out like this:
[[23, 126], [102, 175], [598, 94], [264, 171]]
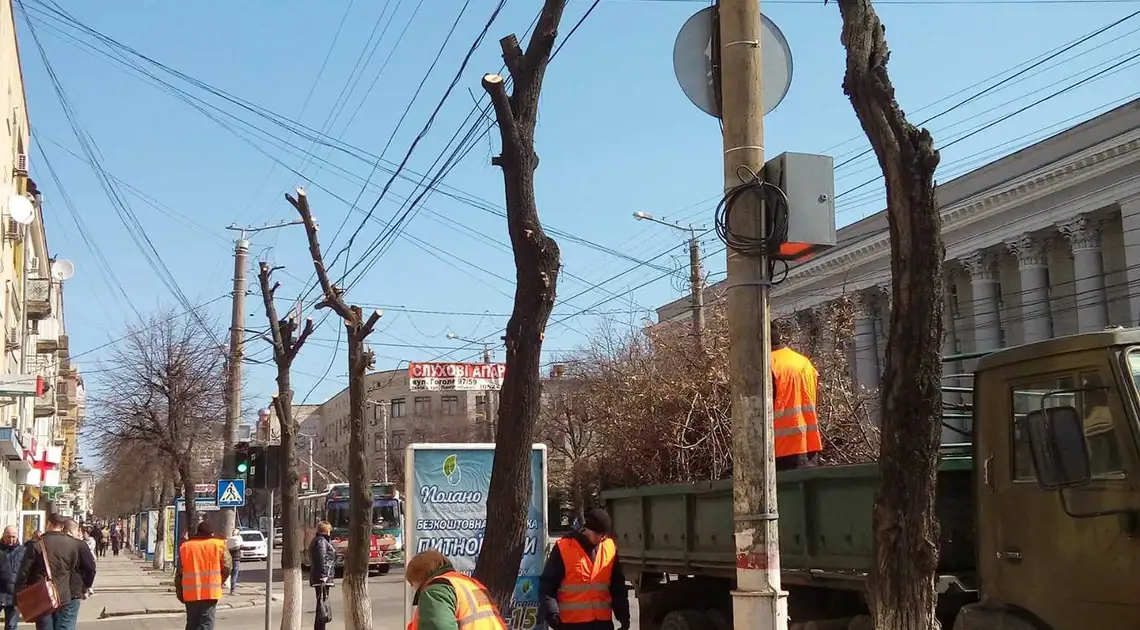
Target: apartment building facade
[[1043, 242], [413, 416], [38, 434]]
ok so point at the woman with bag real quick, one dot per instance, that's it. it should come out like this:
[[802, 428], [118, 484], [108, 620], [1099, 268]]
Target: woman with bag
[[56, 572], [322, 570]]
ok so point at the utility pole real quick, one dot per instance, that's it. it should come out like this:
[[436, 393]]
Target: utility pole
[[759, 602], [697, 289], [487, 417], [696, 275], [234, 356]]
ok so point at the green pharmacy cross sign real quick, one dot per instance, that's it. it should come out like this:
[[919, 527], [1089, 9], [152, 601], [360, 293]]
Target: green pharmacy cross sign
[[51, 492]]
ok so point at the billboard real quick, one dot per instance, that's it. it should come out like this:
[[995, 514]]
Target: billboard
[[456, 376], [447, 510]]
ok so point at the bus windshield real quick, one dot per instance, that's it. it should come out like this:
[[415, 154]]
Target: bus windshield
[[385, 515]]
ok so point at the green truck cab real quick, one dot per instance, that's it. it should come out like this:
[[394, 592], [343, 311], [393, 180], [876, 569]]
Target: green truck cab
[[1040, 514]]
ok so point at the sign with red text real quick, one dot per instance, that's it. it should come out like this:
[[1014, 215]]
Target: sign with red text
[[455, 376]]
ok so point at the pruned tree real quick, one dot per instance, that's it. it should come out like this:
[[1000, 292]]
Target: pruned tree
[[161, 389], [902, 579], [537, 260], [358, 614], [286, 345]]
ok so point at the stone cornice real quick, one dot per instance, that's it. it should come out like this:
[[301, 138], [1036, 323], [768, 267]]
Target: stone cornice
[[1125, 150]]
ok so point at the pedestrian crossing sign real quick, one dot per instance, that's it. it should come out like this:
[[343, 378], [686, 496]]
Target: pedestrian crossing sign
[[231, 493]]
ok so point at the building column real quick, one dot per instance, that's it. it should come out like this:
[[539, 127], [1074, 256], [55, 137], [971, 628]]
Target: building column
[[1083, 233], [866, 342], [984, 285], [1130, 225], [950, 368], [1033, 264]]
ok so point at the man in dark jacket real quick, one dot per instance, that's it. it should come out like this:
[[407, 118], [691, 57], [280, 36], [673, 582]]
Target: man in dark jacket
[[11, 555], [590, 546], [322, 570], [72, 571]]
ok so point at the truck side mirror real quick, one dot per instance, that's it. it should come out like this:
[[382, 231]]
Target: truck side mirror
[[1058, 448]]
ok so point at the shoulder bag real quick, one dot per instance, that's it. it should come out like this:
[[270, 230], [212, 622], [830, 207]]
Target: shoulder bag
[[40, 598]]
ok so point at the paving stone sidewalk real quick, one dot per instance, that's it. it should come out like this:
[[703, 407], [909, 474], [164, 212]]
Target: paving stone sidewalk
[[126, 585]]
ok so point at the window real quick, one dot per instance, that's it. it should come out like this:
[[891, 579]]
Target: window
[[378, 442], [397, 439], [422, 406], [1092, 402], [450, 405], [397, 407]]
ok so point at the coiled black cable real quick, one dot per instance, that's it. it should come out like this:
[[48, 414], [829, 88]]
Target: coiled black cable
[[775, 230]]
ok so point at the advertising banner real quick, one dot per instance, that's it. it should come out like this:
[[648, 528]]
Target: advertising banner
[[447, 510], [170, 535], [456, 376]]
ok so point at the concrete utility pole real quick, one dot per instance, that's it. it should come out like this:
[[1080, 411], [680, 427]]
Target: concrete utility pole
[[696, 275], [758, 601], [234, 356]]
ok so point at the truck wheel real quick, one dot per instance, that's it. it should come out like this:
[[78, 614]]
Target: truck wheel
[[687, 619], [383, 569], [718, 620]]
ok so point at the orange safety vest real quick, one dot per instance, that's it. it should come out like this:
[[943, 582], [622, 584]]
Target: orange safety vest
[[201, 568], [794, 421], [584, 594], [474, 609]]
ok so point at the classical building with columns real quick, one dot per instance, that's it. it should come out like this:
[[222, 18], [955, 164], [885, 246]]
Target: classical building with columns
[[1040, 243]]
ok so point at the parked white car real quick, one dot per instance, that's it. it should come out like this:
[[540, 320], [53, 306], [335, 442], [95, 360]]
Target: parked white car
[[254, 546]]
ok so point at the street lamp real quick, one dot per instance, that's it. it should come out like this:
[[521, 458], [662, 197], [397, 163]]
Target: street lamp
[[487, 416], [696, 276]]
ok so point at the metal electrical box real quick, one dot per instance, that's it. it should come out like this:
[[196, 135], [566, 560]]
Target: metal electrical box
[[808, 182]]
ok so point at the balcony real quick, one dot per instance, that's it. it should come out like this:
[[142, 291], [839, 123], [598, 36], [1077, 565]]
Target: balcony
[[46, 346], [39, 298], [44, 406], [62, 350]]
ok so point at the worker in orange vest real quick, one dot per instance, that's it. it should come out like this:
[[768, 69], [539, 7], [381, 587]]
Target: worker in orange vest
[[582, 585], [446, 599], [203, 565], [794, 385]]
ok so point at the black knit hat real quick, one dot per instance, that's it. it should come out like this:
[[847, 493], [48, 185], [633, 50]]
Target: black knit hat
[[598, 520]]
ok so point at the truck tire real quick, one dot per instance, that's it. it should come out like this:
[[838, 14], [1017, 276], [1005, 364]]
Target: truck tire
[[687, 619], [718, 620]]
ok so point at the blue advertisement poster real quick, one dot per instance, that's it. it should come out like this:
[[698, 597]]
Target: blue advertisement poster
[[447, 510]]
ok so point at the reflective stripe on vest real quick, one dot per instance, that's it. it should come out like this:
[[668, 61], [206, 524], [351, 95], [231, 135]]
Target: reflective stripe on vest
[[584, 595], [201, 560], [795, 425], [474, 609]]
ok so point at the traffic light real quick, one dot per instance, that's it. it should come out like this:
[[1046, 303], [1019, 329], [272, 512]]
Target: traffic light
[[263, 467], [241, 461]]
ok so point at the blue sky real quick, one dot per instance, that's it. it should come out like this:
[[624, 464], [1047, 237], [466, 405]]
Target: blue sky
[[616, 135]]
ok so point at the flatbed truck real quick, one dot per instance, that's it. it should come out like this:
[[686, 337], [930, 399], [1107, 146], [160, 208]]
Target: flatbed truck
[[1039, 512]]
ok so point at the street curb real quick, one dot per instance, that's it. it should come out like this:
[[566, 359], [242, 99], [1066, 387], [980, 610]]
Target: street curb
[[178, 611]]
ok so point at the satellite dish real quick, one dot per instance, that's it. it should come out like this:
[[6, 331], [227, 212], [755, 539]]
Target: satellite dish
[[62, 270], [21, 210], [692, 62]]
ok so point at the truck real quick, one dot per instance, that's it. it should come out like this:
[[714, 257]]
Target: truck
[[1038, 511]]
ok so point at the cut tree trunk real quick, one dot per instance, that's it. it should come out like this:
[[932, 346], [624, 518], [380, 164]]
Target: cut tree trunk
[[291, 541], [902, 581], [358, 605], [537, 261]]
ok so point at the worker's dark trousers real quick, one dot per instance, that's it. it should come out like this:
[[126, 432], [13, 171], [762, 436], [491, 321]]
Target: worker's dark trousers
[[803, 460]]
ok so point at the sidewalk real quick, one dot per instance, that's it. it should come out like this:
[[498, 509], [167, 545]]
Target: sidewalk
[[125, 585]]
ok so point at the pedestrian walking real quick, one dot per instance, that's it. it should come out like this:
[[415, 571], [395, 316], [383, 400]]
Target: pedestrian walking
[[582, 586], [63, 561], [11, 555], [446, 599], [233, 546], [322, 570], [203, 566], [116, 540]]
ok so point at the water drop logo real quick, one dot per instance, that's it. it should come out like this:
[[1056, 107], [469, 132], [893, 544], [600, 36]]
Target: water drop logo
[[451, 470]]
